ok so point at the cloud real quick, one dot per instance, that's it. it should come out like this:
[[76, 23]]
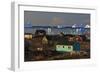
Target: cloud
[[57, 20], [48, 18]]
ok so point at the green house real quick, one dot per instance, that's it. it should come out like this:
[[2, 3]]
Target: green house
[[64, 48]]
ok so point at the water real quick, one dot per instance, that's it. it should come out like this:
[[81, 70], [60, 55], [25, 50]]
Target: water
[[55, 30]]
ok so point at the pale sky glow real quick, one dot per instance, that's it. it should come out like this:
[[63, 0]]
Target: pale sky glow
[[54, 18]]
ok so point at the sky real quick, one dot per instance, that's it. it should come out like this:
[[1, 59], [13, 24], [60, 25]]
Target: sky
[[55, 18]]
